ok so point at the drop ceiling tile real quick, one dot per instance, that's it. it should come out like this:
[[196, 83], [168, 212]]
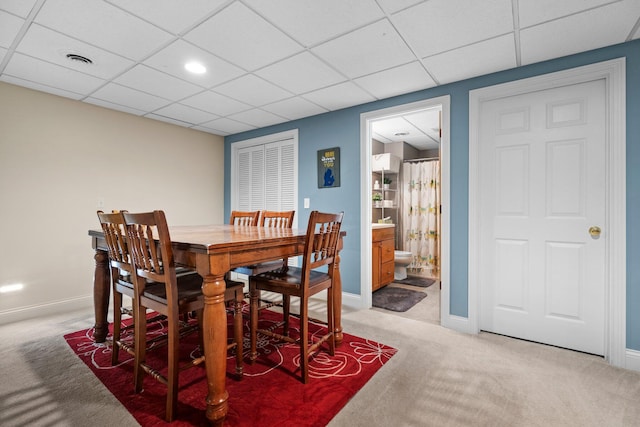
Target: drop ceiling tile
[[392, 6], [311, 21], [185, 114], [533, 12], [301, 73], [440, 25], [131, 98], [51, 46], [578, 33], [41, 72], [425, 120], [389, 127], [252, 90], [294, 108], [401, 129], [227, 126], [113, 106], [40, 87], [215, 103], [380, 138], [18, 7], [9, 27], [157, 83], [473, 60], [173, 16], [3, 52], [243, 38], [103, 25], [396, 81], [370, 49], [172, 59], [258, 118], [339, 96]]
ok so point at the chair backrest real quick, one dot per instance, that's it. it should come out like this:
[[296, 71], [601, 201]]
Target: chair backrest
[[152, 260], [244, 218], [323, 234], [277, 219], [114, 235]]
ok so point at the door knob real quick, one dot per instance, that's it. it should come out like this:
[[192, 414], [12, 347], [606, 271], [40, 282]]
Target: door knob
[[595, 231]]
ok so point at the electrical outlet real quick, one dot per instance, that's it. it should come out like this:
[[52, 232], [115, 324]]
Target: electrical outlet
[[100, 203], [306, 203]]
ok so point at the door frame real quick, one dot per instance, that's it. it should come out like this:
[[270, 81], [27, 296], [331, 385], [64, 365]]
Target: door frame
[[366, 136], [613, 72]]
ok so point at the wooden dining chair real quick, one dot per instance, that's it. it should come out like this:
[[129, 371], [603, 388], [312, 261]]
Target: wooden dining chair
[[323, 234], [244, 218], [121, 280], [271, 219], [276, 219], [158, 288]]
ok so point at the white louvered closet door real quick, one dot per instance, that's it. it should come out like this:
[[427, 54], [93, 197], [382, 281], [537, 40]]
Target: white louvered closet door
[[279, 176], [250, 179], [267, 177]]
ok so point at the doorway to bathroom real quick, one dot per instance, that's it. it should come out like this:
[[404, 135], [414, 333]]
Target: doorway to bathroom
[[405, 199]]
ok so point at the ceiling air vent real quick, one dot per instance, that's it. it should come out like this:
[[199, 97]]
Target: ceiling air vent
[[79, 58]]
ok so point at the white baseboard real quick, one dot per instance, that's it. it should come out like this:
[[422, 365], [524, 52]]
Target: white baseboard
[[56, 307], [632, 360], [352, 301], [457, 323], [348, 300]]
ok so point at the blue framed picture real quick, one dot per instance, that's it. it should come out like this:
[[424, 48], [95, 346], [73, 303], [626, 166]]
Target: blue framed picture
[[329, 168]]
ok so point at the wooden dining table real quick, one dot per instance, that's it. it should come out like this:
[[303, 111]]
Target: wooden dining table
[[213, 250]]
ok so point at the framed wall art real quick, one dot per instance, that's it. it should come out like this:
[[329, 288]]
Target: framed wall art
[[329, 168]]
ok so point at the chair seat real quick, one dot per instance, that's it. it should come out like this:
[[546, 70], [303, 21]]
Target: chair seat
[[189, 289], [290, 277]]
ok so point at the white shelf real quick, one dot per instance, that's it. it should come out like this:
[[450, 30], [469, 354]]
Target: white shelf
[[388, 194]]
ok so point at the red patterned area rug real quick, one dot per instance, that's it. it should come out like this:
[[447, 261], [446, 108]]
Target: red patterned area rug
[[270, 394]]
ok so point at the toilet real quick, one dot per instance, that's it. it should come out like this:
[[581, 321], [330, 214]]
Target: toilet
[[402, 260]]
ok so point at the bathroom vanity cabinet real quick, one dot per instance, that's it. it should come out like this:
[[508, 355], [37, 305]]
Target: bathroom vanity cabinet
[[383, 250]]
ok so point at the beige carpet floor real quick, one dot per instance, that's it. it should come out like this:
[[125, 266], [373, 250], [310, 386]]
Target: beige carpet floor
[[438, 378]]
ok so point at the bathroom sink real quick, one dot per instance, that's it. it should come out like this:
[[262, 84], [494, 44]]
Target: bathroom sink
[[378, 225]]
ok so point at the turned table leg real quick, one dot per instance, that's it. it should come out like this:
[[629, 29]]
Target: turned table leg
[[101, 293], [215, 348]]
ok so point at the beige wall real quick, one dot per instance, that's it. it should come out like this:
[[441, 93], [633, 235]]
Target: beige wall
[[58, 159]]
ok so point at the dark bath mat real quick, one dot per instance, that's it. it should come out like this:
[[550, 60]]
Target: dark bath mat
[[396, 299]]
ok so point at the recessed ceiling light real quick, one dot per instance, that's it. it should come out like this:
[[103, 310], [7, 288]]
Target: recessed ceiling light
[[195, 67]]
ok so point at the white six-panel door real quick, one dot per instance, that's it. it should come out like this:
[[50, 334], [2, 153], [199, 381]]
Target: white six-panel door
[[542, 187]]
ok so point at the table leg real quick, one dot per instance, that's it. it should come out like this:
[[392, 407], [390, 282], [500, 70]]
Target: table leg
[[337, 299], [101, 293], [215, 348]]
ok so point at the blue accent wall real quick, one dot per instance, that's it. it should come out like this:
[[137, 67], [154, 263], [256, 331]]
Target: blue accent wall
[[342, 128]]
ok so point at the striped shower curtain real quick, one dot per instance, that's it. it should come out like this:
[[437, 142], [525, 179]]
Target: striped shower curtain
[[420, 214]]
